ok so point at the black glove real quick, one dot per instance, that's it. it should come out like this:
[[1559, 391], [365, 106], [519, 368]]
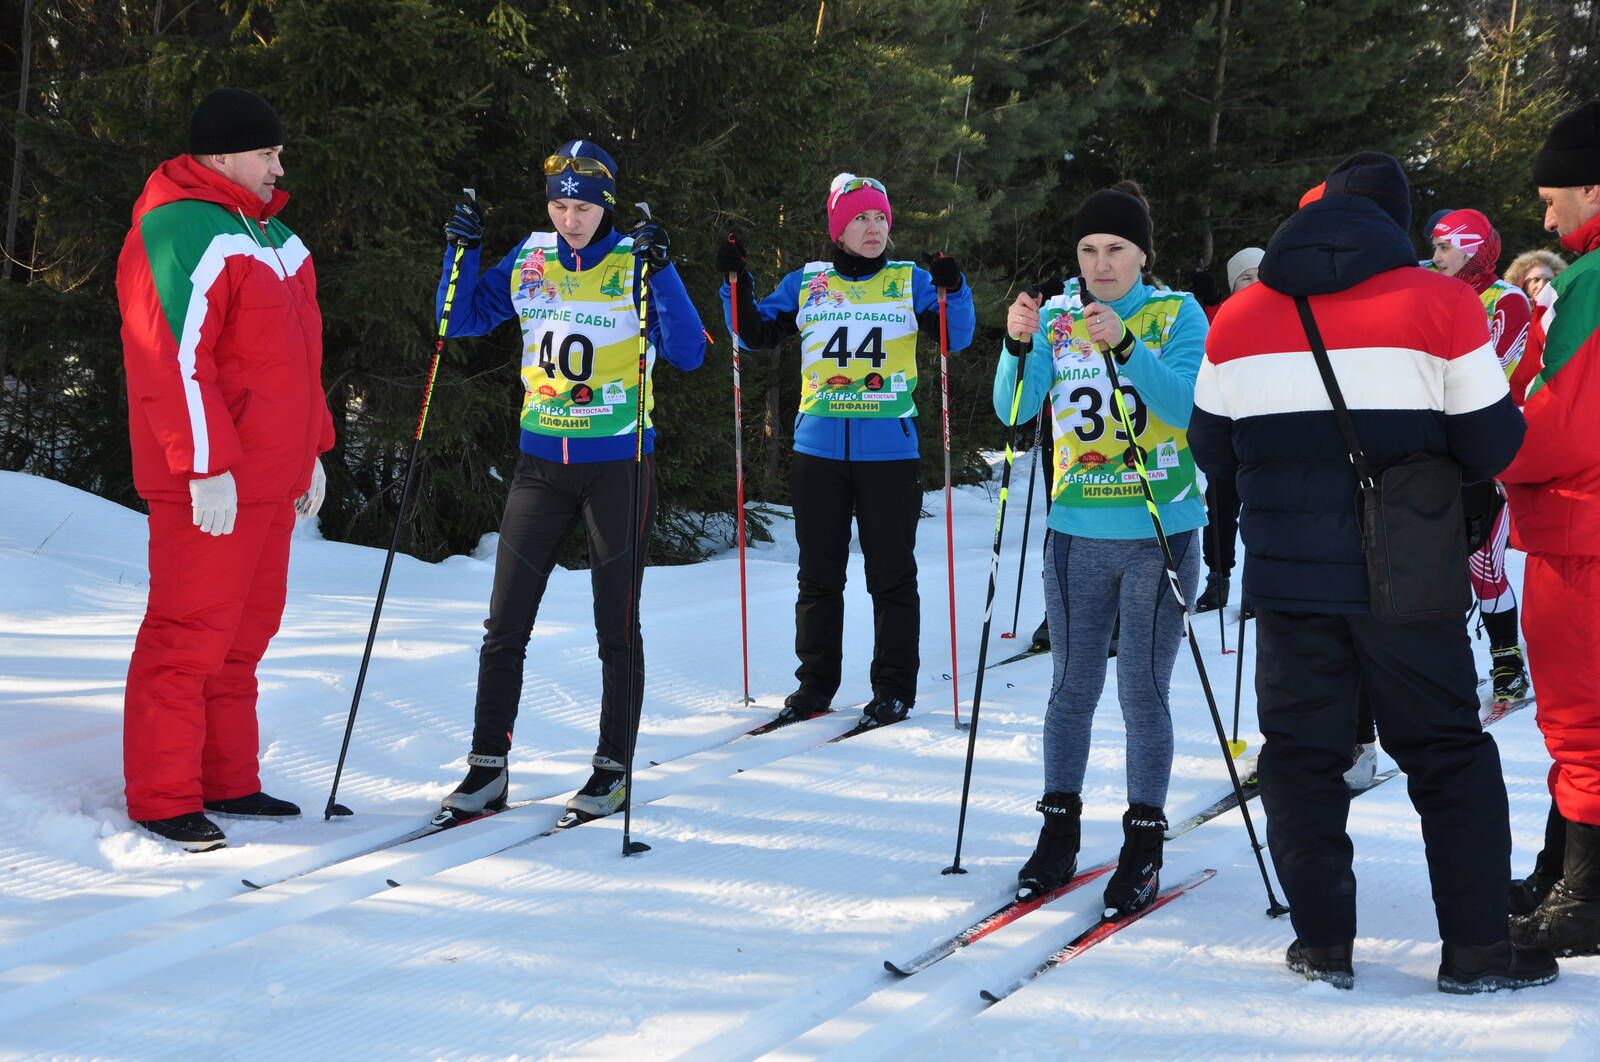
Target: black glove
[[650, 243], [945, 271], [465, 227], [731, 256]]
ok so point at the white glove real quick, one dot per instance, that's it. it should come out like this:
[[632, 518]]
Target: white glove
[[216, 503], [310, 503]]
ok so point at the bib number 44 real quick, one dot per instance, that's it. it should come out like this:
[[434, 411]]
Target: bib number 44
[[870, 348]]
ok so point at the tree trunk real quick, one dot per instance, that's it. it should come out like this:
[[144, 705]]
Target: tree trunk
[[1208, 247], [26, 53]]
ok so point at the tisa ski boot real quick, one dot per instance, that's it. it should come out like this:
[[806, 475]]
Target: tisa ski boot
[[482, 792], [882, 711], [1509, 674], [601, 795], [1137, 879], [1055, 858]]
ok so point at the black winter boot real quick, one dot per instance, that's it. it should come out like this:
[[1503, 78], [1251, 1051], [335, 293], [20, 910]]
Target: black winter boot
[[1529, 892], [1330, 964], [1055, 858], [882, 711], [803, 704], [193, 831], [1137, 879], [1468, 969], [1214, 596], [257, 805], [1568, 921]]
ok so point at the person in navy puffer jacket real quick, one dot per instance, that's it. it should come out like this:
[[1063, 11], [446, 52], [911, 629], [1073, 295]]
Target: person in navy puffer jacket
[[1412, 355]]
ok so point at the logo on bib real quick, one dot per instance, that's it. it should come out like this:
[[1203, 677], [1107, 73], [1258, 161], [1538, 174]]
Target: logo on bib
[[818, 293], [838, 381], [615, 394], [1088, 459], [874, 381], [582, 395], [532, 274]]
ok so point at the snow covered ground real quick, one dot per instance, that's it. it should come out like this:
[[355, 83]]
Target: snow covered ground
[[783, 870]]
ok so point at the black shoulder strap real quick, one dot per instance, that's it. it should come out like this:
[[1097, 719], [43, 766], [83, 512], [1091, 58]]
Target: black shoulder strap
[[1336, 396]]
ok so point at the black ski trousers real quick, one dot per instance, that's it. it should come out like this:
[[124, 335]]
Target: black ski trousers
[[1310, 670], [545, 501], [885, 499]]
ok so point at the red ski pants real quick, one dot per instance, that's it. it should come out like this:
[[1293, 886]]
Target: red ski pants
[[1561, 621], [189, 719]]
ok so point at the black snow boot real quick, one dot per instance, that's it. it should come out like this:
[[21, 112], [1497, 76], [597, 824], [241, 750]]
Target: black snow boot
[[803, 704], [603, 793], [1041, 637], [482, 791], [1214, 596], [1468, 969], [257, 805], [1529, 892], [1568, 921], [1055, 858], [882, 711], [193, 831], [1330, 964], [1137, 879]]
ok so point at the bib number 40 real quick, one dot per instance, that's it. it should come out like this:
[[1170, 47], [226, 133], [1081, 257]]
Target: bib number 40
[[870, 348], [560, 362]]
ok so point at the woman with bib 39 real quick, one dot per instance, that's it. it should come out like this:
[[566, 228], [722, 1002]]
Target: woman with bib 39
[[1102, 556], [576, 293], [855, 438]]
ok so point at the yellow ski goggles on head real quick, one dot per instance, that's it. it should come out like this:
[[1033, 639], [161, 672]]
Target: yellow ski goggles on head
[[855, 183], [583, 167]]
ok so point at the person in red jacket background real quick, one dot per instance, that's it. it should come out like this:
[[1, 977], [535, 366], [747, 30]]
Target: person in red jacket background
[[1554, 490], [222, 344]]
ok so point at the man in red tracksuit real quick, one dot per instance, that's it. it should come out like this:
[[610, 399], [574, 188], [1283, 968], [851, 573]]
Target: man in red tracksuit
[[1554, 490], [222, 343]]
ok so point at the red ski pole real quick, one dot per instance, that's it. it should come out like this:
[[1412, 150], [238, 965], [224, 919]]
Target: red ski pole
[[949, 517], [738, 475]]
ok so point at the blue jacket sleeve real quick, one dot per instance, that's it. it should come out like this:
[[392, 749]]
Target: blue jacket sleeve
[[769, 322], [1038, 375], [1166, 384], [962, 319], [675, 328], [480, 302]]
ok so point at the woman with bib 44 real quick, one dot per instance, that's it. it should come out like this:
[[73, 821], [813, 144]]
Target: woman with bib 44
[[576, 294], [1101, 556], [857, 454]]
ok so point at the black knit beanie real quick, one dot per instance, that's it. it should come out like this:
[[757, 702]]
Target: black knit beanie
[[1571, 154], [233, 119], [1375, 176], [1116, 213]]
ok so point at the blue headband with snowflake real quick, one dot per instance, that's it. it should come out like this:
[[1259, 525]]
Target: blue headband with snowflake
[[581, 169]]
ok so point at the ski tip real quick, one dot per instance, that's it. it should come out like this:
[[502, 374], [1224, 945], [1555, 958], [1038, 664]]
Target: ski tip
[[393, 884], [892, 968], [988, 996], [247, 883]]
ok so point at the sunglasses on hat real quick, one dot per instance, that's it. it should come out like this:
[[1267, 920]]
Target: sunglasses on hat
[[856, 183], [583, 167]]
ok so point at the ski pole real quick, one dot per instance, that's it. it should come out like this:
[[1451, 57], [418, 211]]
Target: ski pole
[[333, 808], [949, 517], [988, 603], [1274, 908], [635, 558], [1222, 627], [1027, 520], [738, 476], [1236, 747]]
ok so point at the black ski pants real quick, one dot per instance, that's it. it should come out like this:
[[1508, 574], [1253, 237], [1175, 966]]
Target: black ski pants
[[885, 499], [1310, 670], [1222, 512], [545, 501]]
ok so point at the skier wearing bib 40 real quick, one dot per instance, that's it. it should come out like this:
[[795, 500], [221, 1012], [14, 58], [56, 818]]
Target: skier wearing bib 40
[[1101, 555], [855, 438], [1466, 246], [576, 294]]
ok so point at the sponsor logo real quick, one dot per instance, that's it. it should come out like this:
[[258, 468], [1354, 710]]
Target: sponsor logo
[[547, 391], [874, 381], [838, 381], [590, 411], [1167, 454], [1091, 459], [532, 273], [897, 383], [615, 393], [582, 395]]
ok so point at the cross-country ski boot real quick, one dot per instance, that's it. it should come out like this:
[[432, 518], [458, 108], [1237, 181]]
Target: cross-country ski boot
[[482, 792], [601, 795], [1055, 858], [1137, 879], [1330, 964], [192, 832], [882, 711], [1041, 637], [1509, 673], [1214, 596], [1529, 892], [1568, 921], [1363, 767], [801, 705]]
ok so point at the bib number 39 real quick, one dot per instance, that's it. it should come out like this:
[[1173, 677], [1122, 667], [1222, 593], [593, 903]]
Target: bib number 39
[[574, 346], [1093, 414]]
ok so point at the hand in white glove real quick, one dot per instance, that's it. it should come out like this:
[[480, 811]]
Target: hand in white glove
[[216, 503], [310, 503]]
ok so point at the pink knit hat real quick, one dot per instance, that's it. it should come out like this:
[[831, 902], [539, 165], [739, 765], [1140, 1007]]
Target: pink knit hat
[[849, 195]]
